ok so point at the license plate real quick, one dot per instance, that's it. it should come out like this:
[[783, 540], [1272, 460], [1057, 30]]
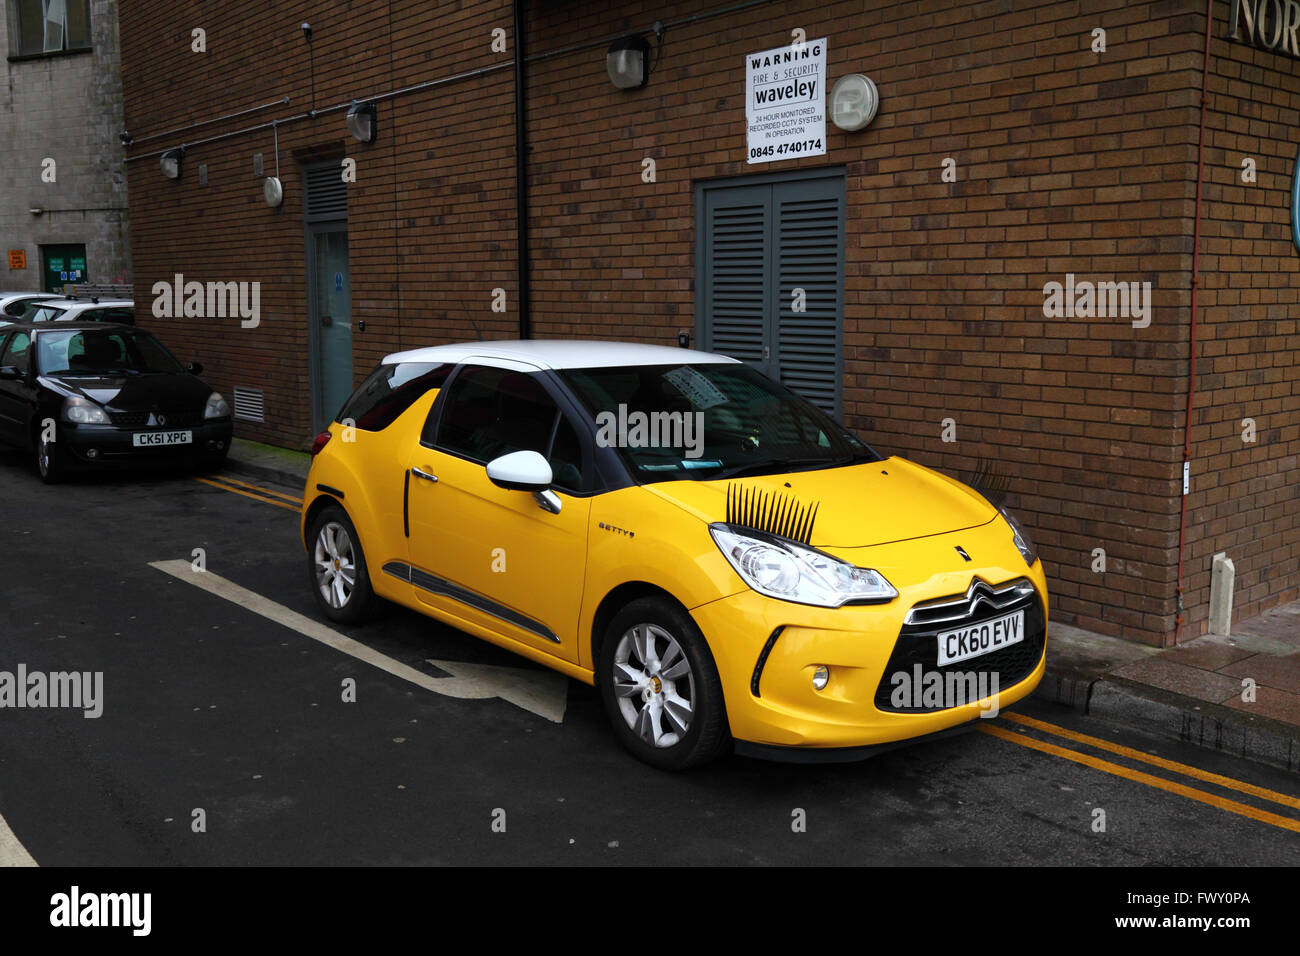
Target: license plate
[[152, 439], [984, 638]]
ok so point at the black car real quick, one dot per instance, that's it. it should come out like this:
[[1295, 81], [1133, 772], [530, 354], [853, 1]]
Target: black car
[[92, 393]]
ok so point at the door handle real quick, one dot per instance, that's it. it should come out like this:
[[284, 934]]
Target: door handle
[[425, 475]]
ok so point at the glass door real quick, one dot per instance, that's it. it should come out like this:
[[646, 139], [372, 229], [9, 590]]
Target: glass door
[[330, 315]]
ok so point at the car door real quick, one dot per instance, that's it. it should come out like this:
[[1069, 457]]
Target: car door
[[493, 556], [16, 393]]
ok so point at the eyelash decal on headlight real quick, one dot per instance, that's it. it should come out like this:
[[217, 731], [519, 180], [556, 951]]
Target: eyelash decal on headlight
[[771, 512], [986, 480]]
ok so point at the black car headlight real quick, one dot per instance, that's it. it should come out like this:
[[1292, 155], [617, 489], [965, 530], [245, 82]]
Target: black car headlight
[[216, 407], [82, 411]]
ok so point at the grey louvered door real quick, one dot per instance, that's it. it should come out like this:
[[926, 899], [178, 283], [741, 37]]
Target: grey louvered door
[[809, 256], [770, 261], [737, 281]]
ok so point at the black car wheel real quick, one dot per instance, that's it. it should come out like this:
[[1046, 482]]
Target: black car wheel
[[337, 566], [48, 463], [660, 686]]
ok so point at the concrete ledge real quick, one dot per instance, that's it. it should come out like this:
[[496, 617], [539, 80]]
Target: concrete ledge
[[1193, 721], [268, 463]]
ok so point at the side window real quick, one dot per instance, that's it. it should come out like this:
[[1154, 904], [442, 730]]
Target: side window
[[493, 411], [390, 390], [16, 351], [489, 412], [123, 316], [17, 308]]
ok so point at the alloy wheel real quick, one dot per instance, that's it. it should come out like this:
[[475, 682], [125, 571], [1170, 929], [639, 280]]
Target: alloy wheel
[[335, 563], [654, 684]]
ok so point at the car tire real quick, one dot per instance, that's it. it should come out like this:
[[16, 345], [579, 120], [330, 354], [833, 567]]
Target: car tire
[[333, 547], [660, 686], [49, 465]]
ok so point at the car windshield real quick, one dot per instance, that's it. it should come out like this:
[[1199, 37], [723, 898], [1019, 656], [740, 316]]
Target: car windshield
[[101, 352], [709, 420]]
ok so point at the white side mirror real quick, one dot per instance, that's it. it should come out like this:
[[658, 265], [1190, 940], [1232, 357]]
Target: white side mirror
[[520, 471]]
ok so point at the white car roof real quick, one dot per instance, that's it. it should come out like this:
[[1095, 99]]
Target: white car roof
[[558, 353], [87, 304], [10, 296]]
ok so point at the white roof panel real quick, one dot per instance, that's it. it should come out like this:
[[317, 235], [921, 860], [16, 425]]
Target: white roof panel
[[559, 353]]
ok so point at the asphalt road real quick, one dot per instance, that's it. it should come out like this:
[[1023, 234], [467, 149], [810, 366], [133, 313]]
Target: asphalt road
[[208, 705]]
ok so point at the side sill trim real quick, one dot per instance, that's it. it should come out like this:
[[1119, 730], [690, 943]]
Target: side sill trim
[[436, 585]]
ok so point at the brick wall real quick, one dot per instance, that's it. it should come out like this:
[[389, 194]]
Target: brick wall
[[1068, 161], [1246, 495]]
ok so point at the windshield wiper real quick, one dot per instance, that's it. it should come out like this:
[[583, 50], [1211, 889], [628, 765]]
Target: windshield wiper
[[756, 467]]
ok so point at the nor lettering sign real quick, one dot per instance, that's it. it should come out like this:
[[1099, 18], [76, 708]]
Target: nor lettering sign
[[1266, 24]]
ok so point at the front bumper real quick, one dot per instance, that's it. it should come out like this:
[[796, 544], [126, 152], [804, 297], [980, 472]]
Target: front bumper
[[108, 445], [766, 651]]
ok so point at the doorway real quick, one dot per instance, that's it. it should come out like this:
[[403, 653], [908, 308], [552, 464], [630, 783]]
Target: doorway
[[329, 291]]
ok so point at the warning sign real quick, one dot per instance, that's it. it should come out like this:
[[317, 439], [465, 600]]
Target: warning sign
[[785, 101], [17, 258]]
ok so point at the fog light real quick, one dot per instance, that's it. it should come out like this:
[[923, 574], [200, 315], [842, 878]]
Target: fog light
[[92, 453], [821, 677]]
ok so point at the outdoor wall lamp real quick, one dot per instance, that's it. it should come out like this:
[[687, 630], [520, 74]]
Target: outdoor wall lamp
[[628, 62], [170, 163], [854, 101], [361, 121]]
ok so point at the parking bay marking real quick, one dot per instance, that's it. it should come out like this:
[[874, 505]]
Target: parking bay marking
[[259, 489], [248, 494], [1228, 783], [1169, 786], [541, 692], [12, 852]]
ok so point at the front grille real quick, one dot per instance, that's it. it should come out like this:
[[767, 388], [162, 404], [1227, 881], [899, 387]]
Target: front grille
[[917, 642], [142, 419]]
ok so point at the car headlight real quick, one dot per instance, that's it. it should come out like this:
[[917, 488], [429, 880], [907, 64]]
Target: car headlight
[[82, 411], [783, 569], [1020, 538], [216, 407]]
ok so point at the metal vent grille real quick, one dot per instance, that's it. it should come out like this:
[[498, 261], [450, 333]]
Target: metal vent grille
[[250, 404], [808, 256], [325, 194], [738, 275]]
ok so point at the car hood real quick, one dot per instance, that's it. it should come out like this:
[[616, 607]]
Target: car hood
[[136, 393], [856, 505]]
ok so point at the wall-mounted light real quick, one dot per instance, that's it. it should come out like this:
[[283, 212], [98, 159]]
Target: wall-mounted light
[[127, 138], [628, 62], [36, 211], [361, 121], [273, 191], [170, 162], [854, 101]]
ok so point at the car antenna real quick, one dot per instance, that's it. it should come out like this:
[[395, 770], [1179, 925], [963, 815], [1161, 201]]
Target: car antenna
[[475, 326]]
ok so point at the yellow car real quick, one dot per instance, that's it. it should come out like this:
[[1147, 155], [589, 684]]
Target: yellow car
[[717, 555]]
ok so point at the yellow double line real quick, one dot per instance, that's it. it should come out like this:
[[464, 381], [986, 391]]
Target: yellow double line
[[1160, 783], [267, 496]]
